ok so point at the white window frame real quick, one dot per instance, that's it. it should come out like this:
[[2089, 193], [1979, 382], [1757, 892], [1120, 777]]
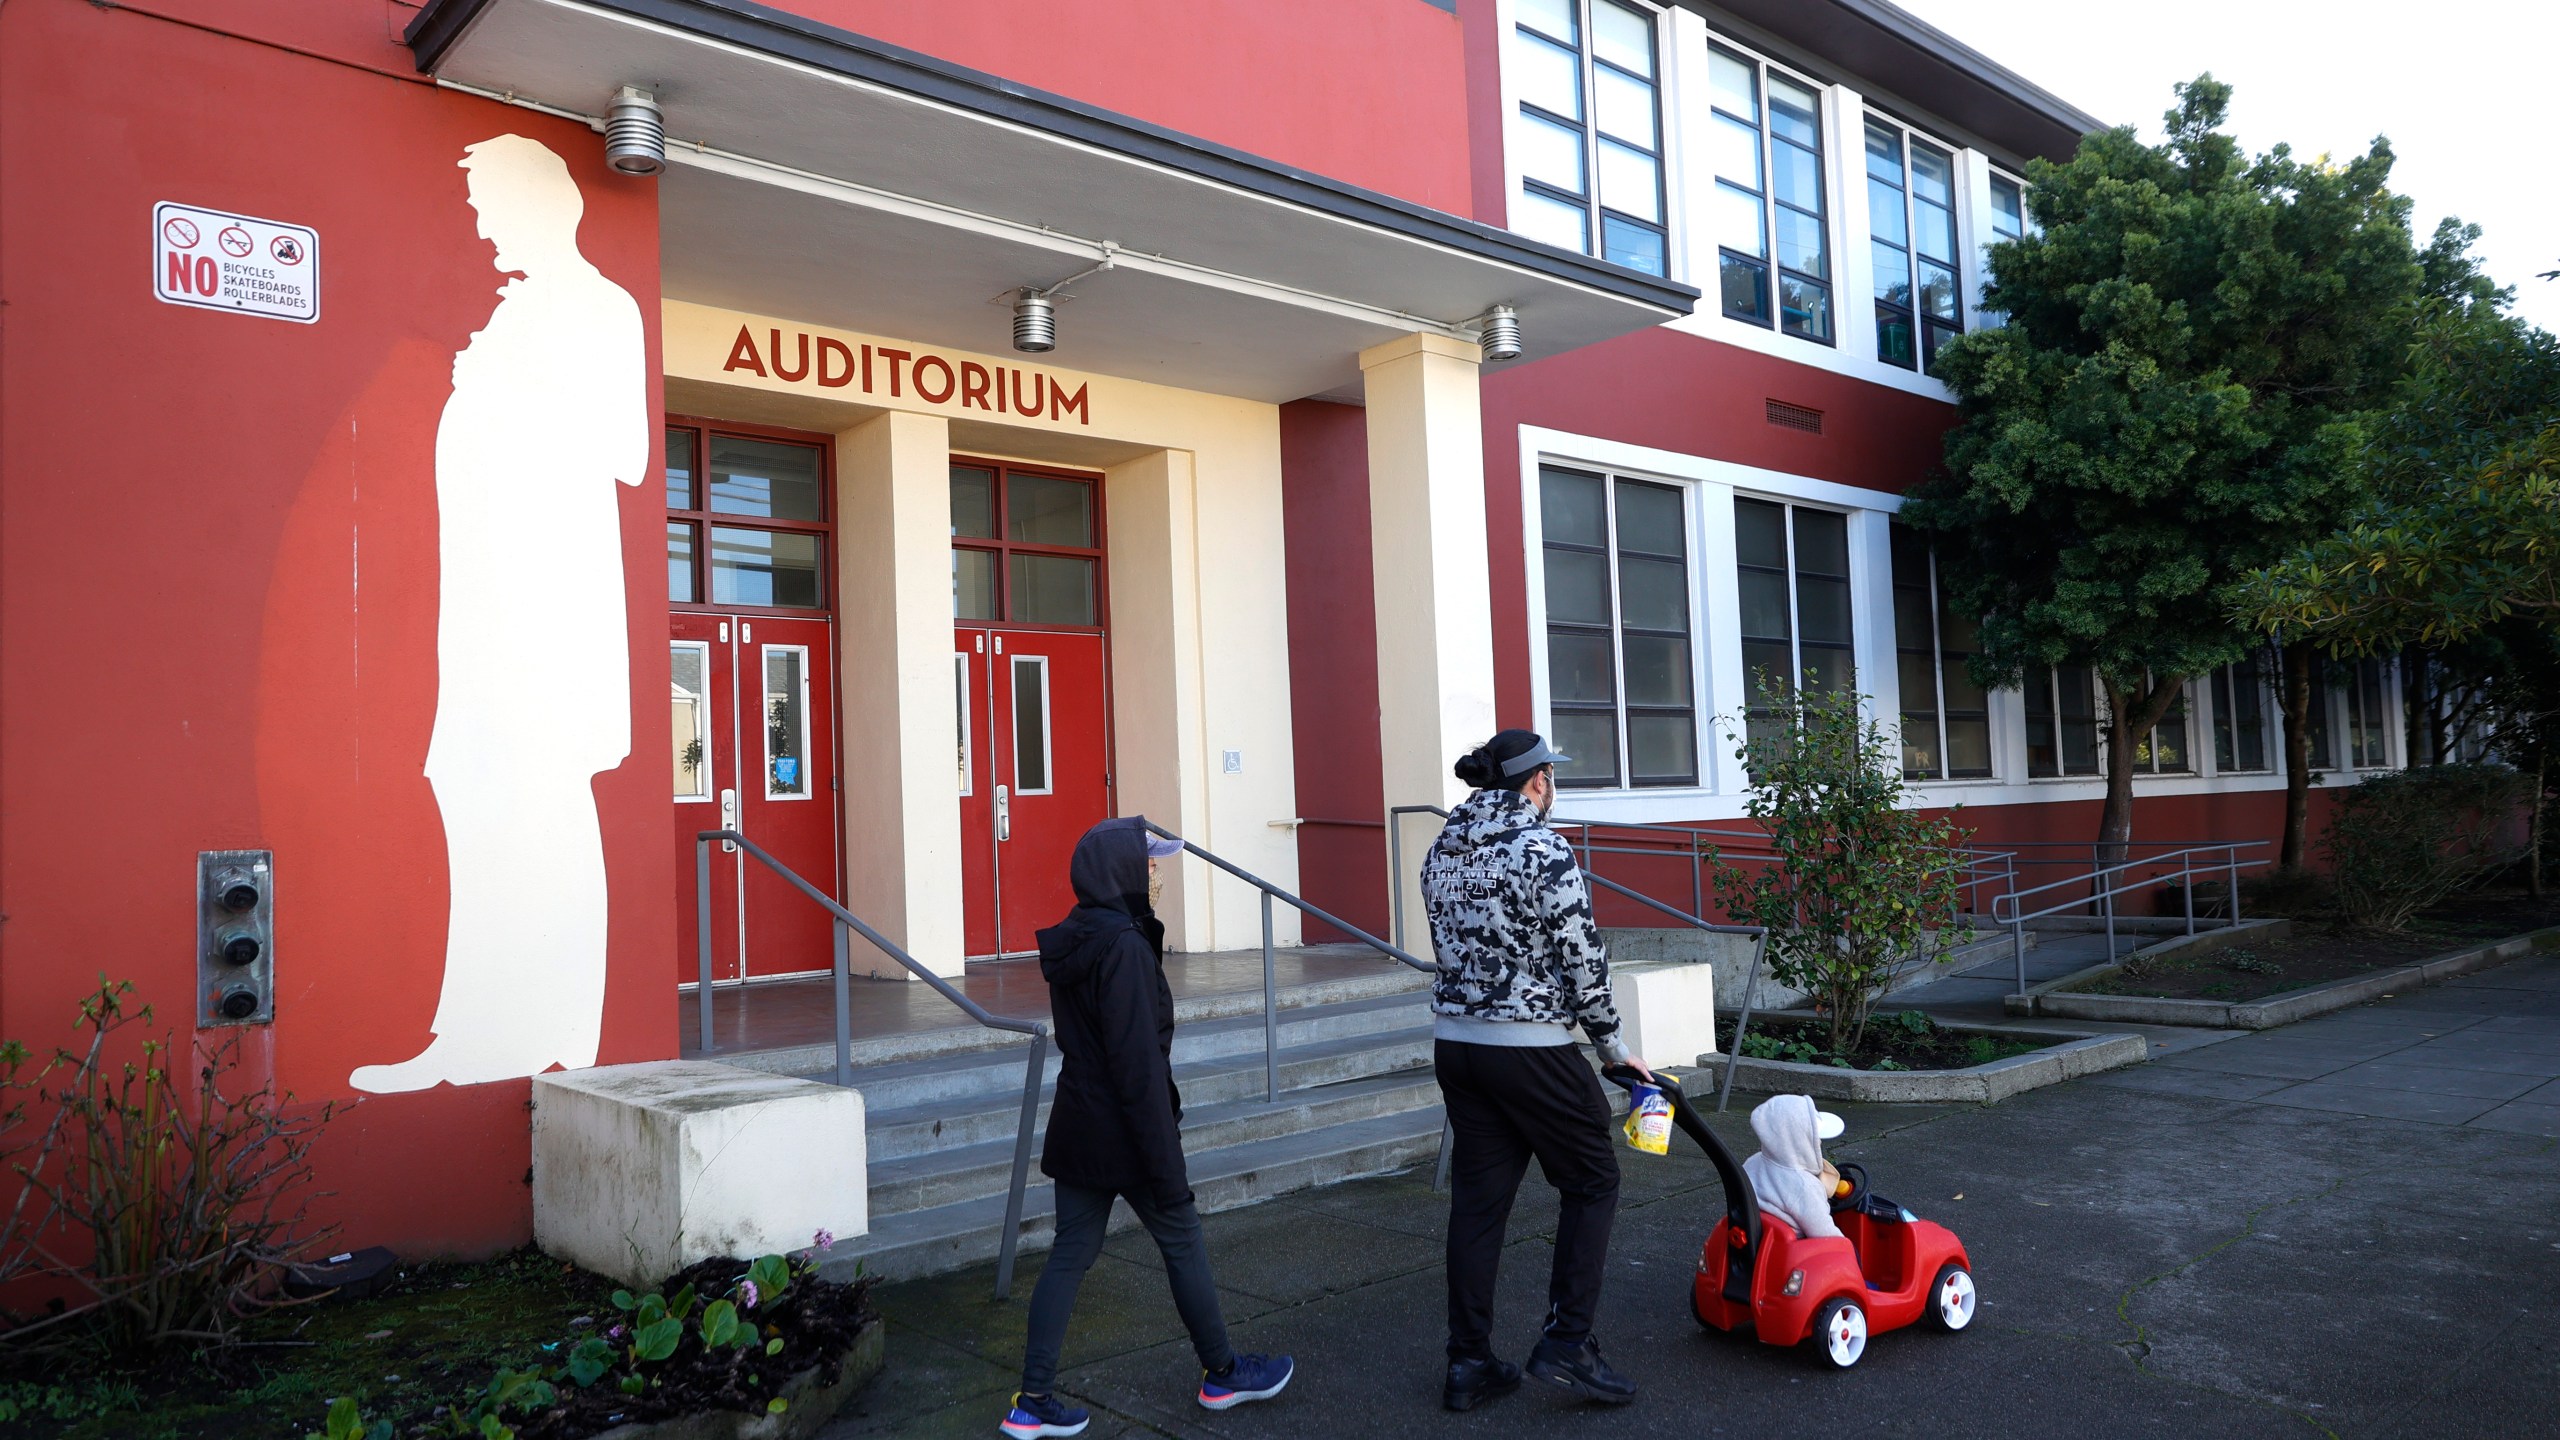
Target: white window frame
[[1967, 283], [702, 720], [1699, 713], [1048, 726], [1667, 152], [764, 722], [1938, 679], [1710, 262], [2270, 722]]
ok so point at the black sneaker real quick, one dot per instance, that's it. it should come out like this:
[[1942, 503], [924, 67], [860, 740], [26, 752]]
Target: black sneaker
[[1580, 1369], [1472, 1382]]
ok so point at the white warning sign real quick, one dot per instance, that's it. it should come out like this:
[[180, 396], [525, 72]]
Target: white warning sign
[[221, 261]]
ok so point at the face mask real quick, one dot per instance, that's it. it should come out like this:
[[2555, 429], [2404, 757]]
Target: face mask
[[1155, 888]]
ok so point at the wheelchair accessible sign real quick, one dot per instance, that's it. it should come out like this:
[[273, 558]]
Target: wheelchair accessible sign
[[215, 260]]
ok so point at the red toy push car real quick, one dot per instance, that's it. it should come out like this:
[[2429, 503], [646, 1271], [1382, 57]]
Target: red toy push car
[[1889, 1269]]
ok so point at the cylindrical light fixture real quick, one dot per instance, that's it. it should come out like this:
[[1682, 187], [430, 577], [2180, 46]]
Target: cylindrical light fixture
[[1035, 323], [1499, 334], [635, 134]]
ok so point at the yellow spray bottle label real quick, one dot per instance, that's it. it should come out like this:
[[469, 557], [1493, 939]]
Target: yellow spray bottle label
[[1649, 1120]]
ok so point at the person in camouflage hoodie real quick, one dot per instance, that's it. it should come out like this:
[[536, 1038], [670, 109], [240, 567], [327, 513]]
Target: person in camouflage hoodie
[[1520, 964]]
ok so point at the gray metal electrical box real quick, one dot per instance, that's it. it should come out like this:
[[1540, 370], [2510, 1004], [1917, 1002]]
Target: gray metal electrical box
[[235, 937]]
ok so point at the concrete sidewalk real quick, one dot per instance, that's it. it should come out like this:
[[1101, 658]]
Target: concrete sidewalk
[[2321, 1230]]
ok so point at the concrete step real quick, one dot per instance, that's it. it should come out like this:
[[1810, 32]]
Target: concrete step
[[966, 1037], [962, 1173], [973, 1075], [941, 1124], [948, 1237]]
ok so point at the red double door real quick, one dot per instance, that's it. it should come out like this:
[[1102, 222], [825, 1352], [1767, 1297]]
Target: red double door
[[1034, 776], [754, 712]]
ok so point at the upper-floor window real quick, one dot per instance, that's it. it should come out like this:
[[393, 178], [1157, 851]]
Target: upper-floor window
[[1774, 254], [1792, 565], [2062, 720], [1911, 196], [1946, 720], [1588, 134], [1618, 674], [2009, 209], [2240, 717]]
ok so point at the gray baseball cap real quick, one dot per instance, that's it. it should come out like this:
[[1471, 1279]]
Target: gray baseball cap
[[1536, 755]]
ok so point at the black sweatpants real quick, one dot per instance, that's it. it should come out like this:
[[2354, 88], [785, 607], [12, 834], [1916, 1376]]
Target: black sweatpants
[[1505, 1105], [1083, 1218]]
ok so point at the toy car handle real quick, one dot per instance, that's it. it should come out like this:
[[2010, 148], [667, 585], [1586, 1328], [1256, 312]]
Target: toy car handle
[[1741, 1206]]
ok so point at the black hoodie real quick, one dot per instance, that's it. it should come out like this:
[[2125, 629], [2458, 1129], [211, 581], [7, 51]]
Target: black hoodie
[[1116, 1123]]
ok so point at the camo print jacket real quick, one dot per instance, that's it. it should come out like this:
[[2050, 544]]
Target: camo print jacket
[[1511, 921]]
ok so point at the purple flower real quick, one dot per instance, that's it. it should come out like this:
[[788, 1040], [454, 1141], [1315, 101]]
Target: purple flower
[[746, 1294], [826, 1238], [616, 1333]]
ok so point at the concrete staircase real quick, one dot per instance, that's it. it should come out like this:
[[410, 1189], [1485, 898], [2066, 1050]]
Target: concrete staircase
[[1357, 1098]]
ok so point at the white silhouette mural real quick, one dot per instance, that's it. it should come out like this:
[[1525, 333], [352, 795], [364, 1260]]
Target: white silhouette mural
[[533, 698]]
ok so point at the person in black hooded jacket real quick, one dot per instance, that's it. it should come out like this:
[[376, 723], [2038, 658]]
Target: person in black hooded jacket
[[1115, 1126]]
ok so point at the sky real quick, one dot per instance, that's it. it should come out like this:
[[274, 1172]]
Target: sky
[[2461, 87]]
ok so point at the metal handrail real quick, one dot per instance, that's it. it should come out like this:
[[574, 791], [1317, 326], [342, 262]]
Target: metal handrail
[[1270, 980], [2010, 909], [1759, 933], [842, 920]]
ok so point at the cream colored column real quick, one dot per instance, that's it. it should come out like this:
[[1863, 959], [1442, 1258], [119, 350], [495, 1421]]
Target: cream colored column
[[898, 703], [1430, 576], [1159, 757]]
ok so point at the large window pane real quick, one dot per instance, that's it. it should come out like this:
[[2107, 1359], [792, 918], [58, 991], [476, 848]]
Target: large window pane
[[1804, 308], [1555, 222], [1050, 590], [1549, 152], [1663, 749], [1764, 606], [1794, 113], [1760, 533], [1579, 671], [1743, 285], [1800, 243], [786, 722], [1654, 594], [1630, 181], [1649, 520], [1039, 510], [1626, 108], [973, 502], [1577, 587], [2239, 718], [1634, 244], [973, 585], [1572, 508], [2008, 208], [1796, 174], [1742, 225], [1822, 542], [1934, 230], [1623, 36], [1885, 220], [1549, 76], [1657, 670], [679, 469], [1591, 738], [1822, 610], [766, 478], [2077, 696], [1932, 174], [778, 569], [690, 702], [1030, 726], [1554, 17], [680, 547], [1735, 150], [1734, 84]]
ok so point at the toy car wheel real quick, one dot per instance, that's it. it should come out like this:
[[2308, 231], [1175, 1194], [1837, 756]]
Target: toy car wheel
[[1840, 1332], [1951, 1299]]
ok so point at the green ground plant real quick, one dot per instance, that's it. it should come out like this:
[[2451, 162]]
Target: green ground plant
[[1860, 881], [2403, 841]]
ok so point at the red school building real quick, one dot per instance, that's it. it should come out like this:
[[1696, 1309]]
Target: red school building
[[978, 421]]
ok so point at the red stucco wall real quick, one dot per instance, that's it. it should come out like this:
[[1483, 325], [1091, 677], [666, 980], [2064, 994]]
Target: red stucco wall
[[218, 578], [1372, 92]]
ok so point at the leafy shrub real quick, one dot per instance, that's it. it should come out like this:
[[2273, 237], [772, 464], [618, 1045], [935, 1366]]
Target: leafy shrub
[[2400, 842], [1860, 881]]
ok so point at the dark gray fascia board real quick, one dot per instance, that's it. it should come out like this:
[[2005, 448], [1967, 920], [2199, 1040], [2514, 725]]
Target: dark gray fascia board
[[768, 31], [1870, 39]]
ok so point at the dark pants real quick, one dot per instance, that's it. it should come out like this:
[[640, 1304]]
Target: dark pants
[[1083, 1216], [1505, 1105]]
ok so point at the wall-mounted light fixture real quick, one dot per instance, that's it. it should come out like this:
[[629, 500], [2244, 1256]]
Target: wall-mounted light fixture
[[1035, 307], [635, 133], [1499, 333]]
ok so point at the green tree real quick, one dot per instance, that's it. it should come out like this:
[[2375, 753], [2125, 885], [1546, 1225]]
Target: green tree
[[2173, 401]]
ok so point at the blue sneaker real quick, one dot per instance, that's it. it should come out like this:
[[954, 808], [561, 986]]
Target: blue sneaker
[[1252, 1377], [1035, 1417]]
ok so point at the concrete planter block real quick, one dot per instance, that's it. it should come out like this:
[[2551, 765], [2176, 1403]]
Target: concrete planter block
[[2275, 1010], [641, 1170], [1669, 1010], [2079, 1054]]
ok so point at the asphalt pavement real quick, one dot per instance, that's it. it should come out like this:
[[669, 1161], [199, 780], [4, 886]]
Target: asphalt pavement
[[2348, 1227]]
